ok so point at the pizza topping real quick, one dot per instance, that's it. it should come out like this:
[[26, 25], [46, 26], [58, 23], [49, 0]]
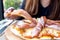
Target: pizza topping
[[24, 25], [36, 30]]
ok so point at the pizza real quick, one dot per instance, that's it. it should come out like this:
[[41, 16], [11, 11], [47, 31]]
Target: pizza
[[27, 32]]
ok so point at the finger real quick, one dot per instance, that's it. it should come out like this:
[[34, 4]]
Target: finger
[[7, 13]]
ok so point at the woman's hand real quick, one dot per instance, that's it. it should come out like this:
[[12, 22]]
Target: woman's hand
[[23, 13], [7, 13], [51, 22], [55, 24], [13, 14]]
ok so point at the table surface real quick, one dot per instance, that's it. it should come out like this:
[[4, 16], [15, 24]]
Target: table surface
[[10, 36], [3, 37]]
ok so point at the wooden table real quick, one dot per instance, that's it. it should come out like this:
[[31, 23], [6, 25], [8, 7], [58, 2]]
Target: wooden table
[[10, 36]]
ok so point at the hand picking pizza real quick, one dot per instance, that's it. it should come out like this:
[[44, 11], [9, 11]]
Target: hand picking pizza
[[32, 28]]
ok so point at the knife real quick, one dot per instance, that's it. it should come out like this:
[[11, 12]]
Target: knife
[[4, 24]]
